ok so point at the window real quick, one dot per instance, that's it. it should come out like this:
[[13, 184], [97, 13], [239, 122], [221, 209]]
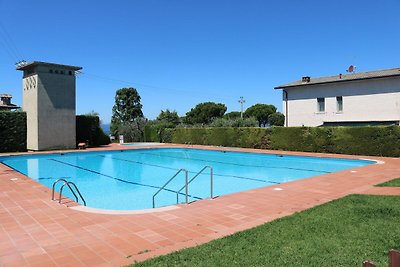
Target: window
[[339, 103], [321, 104], [69, 72]]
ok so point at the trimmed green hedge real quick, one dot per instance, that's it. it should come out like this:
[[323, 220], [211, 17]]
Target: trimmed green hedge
[[363, 140], [158, 133], [12, 131], [88, 130]]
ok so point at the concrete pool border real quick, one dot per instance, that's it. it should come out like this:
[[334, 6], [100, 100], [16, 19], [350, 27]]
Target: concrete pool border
[[35, 231], [120, 212]]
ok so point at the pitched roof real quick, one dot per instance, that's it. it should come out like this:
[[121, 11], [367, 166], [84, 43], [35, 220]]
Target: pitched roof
[[8, 106], [344, 78]]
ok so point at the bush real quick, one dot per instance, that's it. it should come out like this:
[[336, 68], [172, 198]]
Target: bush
[[237, 137], [88, 130], [309, 139], [12, 131], [276, 119], [133, 131], [372, 140], [238, 122], [157, 131], [369, 140]]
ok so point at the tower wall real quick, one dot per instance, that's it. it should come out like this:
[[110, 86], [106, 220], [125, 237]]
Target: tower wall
[[49, 101]]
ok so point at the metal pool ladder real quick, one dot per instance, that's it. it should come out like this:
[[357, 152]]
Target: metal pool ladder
[[194, 177], [176, 174], [186, 186], [67, 183]]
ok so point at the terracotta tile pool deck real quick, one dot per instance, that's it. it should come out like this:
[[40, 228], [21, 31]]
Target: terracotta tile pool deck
[[35, 231]]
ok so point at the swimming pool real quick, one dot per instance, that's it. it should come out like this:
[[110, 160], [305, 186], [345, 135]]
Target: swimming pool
[[128, 179]]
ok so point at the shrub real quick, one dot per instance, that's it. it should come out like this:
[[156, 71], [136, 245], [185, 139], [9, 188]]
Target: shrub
[[12, 131], [133, 131], [158, 131], [237, 137], [232, 115], [238, 122], [372, 140], [276, 119], [369, 140], [88, 130]]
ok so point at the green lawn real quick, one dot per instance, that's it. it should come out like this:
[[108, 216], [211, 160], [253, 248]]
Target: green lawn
[[394, 182], [343, 232]]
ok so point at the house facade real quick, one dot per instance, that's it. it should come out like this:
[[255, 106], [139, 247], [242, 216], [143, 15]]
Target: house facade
[[5, 102], [363, 98]]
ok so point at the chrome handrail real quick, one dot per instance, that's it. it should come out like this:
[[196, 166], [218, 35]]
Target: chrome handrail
[[176, 174], [67, 183], [194, 177], [77, 190], [54, 185]]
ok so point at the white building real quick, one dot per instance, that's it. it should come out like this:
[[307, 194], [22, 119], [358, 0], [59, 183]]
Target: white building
[[49, 102], [364, 98]]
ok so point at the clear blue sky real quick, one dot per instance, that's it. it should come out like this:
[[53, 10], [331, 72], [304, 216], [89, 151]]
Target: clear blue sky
[[178, 53]]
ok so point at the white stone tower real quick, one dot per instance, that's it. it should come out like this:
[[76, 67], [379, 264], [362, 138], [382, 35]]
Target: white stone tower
[[49, 102]]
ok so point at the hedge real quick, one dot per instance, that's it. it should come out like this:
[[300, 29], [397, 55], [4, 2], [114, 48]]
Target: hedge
[[157, 133], [362, 140], [12, 131], [88, 130]]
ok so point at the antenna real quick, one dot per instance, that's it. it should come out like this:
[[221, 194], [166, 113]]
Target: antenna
[[241, 101], [351, 69], [21, 63]]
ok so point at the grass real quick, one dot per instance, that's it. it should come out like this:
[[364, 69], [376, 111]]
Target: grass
[[394, 182], [343, 232]]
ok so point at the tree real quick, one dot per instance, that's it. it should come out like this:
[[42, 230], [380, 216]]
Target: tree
[[232, 115], [170, 117], [92, 113], [205, 112], [126, 109], [260, 112], [238, 122], [276, 119], [133, 131]]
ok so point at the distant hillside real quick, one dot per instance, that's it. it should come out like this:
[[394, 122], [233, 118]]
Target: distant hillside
[[106, 128]]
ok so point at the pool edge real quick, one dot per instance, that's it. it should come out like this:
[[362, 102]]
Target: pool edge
[[121, 212]]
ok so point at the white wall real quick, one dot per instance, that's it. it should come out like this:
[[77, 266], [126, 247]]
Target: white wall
[[365, 100], [30, 106], [49, 102]]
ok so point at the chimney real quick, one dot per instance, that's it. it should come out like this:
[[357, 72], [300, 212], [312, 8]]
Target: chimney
[[305, 79]]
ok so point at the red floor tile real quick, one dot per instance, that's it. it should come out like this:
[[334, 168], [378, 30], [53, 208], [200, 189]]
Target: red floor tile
[[35, 231]]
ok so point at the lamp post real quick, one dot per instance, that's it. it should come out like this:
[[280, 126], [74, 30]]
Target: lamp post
[[241, 101]]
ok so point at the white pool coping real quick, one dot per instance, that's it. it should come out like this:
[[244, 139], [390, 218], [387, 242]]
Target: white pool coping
[[120, 212]]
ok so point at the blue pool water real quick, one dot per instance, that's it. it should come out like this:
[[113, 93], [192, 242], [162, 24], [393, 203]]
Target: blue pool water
[[127, 180]]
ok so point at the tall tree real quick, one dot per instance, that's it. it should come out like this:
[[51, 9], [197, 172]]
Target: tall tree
[[276, 119], [232, 115], [168, 116], [126, 109], [260, 112], [205, 112]]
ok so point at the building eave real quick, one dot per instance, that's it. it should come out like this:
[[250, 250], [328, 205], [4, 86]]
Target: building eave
[[36, 63], [344, 78]]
